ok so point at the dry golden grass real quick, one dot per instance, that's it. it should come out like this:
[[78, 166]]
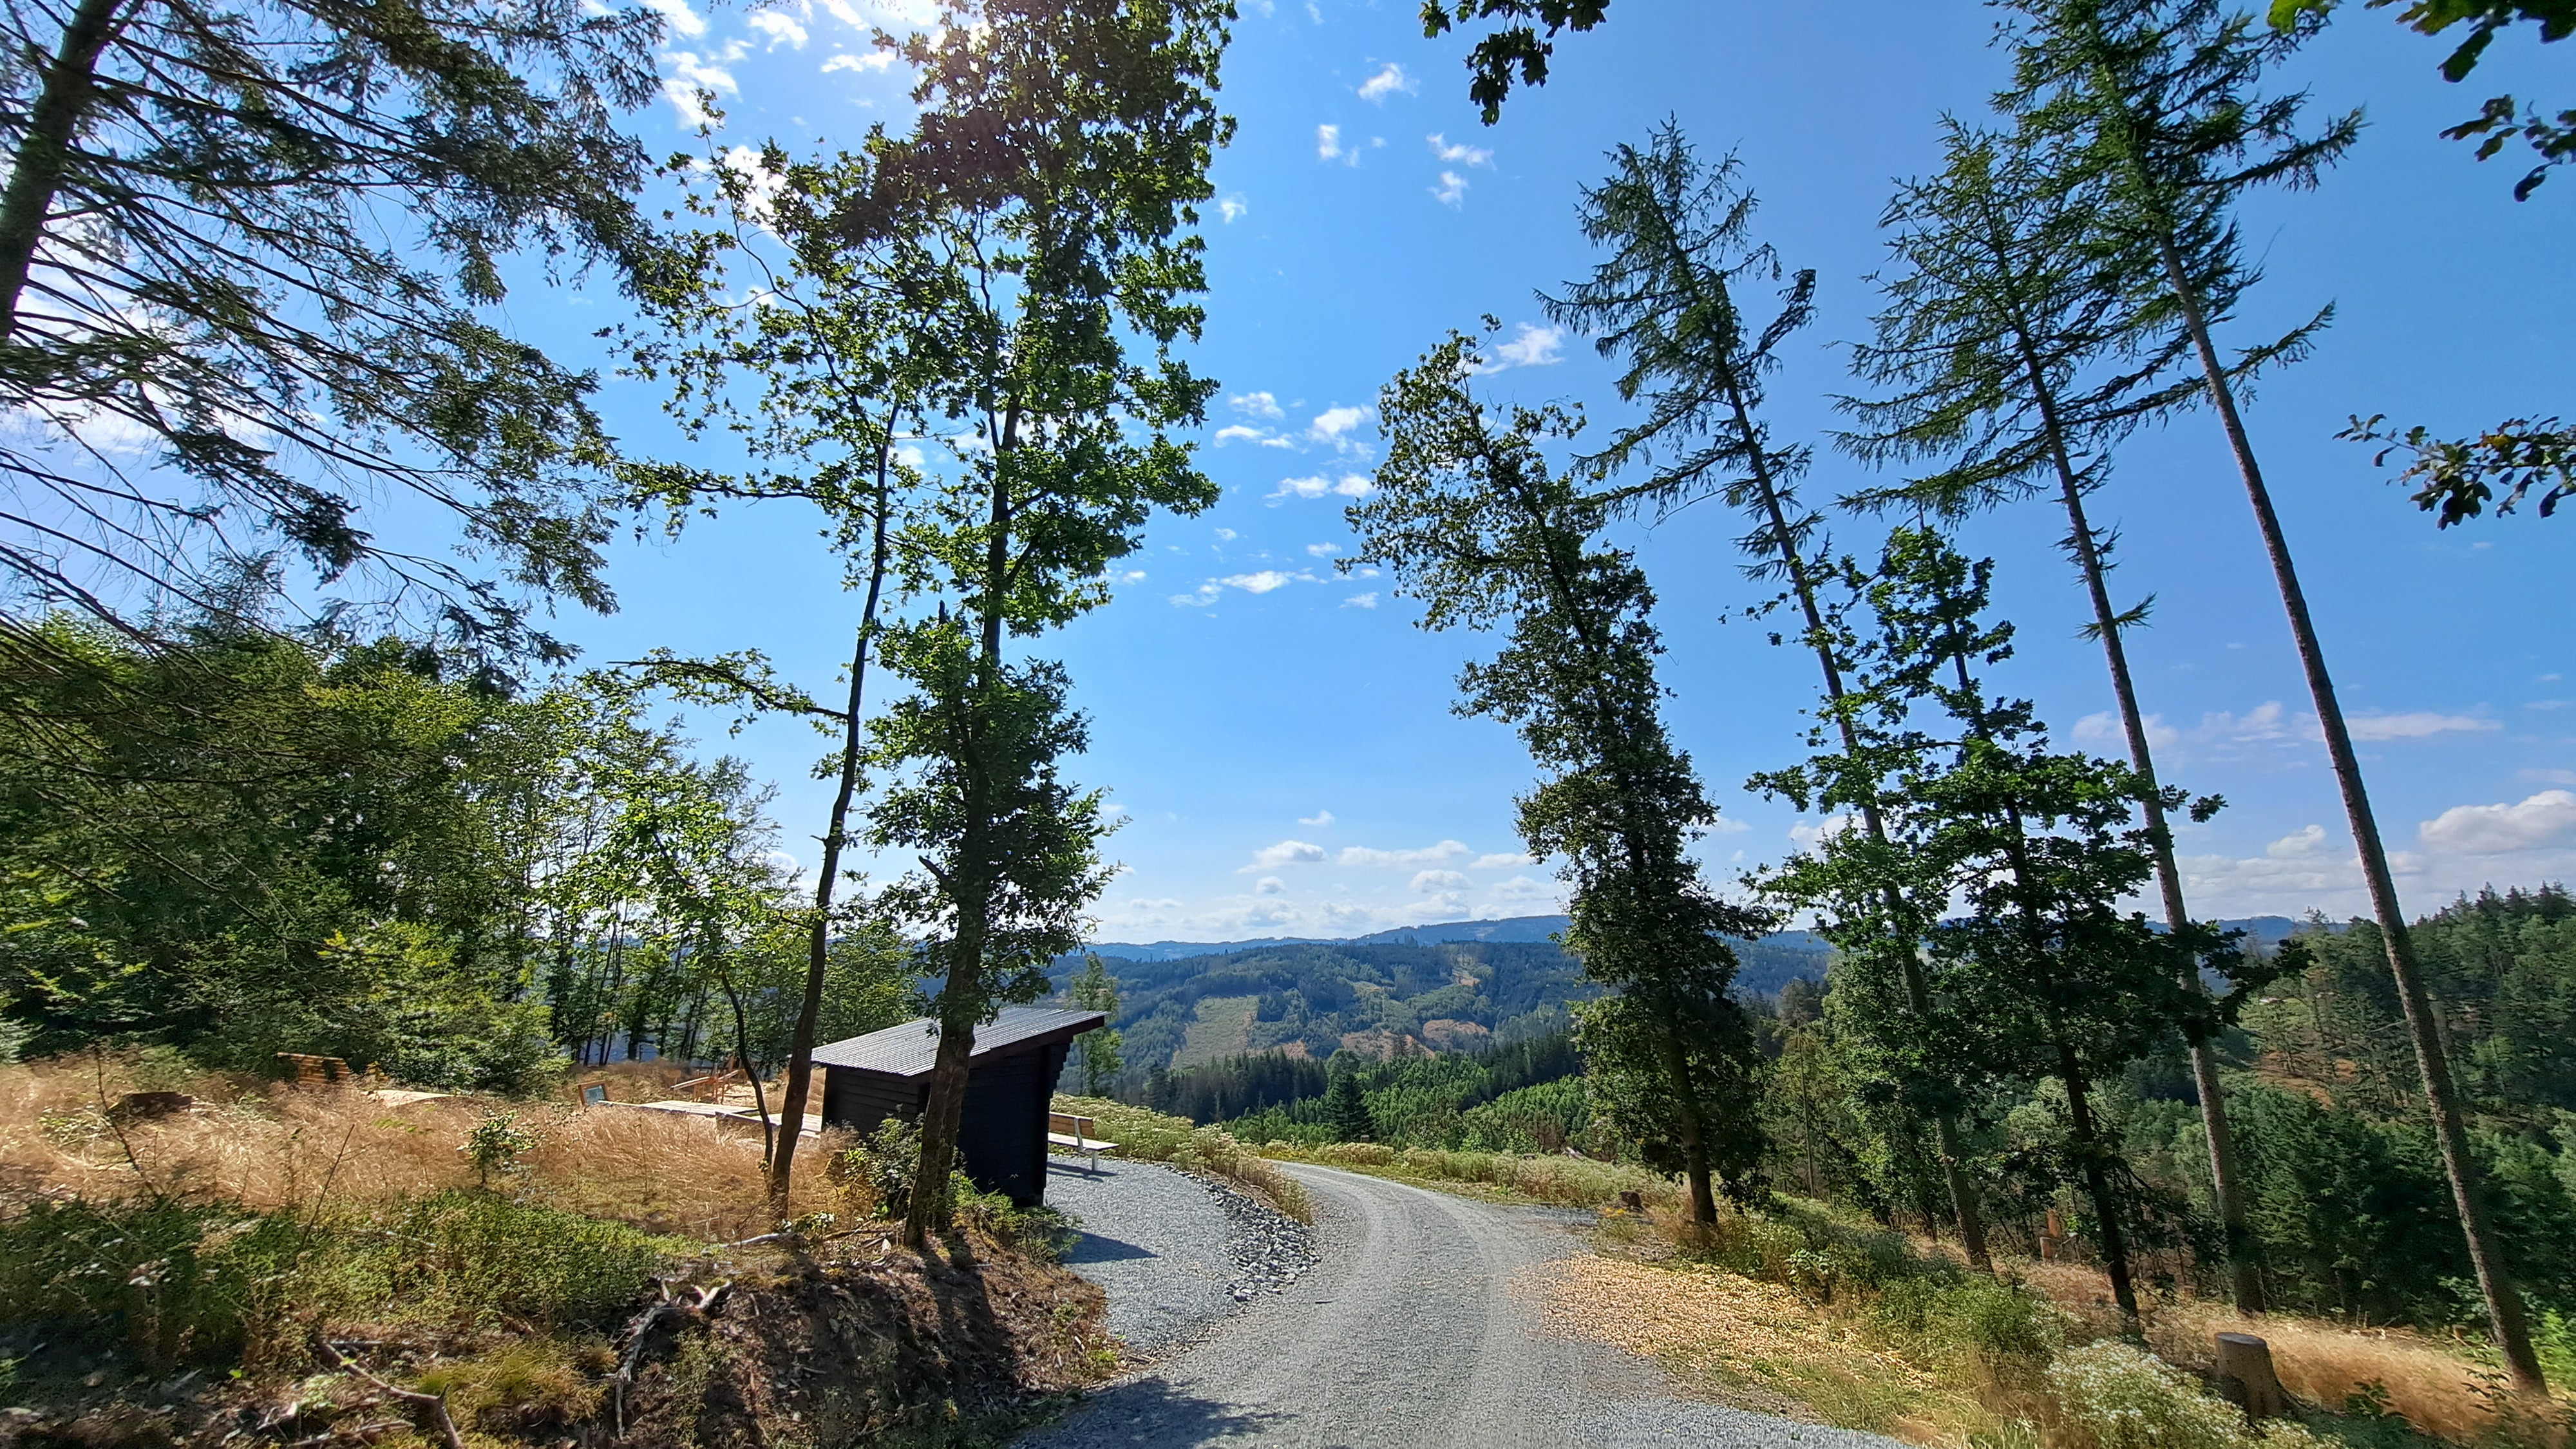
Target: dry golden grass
[[272, 1145], [1753, 1344], [2439, 1386]]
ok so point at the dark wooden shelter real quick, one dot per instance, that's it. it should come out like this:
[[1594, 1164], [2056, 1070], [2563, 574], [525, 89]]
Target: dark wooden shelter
[[1010, 1080]]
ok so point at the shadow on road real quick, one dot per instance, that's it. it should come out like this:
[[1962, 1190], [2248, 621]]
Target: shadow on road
[[1093, 1248], [1151, 1411]]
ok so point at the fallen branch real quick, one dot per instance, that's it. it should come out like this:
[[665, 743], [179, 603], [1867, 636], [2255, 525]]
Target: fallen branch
[[436, 1404]]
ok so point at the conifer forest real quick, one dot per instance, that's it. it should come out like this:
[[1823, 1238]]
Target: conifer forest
[[321, 749]]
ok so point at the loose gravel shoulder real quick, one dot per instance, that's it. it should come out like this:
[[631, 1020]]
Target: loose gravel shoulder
[[1175, 1253]]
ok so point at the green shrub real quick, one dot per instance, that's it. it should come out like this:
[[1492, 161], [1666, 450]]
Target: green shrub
[[1149, 1136], [172, 1283], [2121, 1398], [477, 1258]]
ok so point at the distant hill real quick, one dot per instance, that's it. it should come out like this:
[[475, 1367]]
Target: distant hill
[[1454, 986], [1514, 928]]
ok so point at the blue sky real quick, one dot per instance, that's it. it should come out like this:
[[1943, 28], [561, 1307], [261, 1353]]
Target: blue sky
[[1280, 735]]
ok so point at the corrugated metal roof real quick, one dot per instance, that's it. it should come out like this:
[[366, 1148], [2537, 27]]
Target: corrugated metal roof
[[908, 1050]]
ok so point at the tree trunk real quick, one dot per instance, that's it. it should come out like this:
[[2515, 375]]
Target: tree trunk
[[1918, 998], [1694, 1132], [44, 153], [742, 1053], [818, 944], [969, 890], [2244, 1280], [2097, 1183], [2504, 1304], [928, 1213]]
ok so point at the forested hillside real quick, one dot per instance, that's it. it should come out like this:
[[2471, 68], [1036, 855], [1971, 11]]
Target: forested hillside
[[1315, 998]]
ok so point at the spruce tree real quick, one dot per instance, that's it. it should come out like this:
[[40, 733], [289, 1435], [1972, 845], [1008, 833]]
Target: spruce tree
[[2038, 971], [1096, 990], [2152, 106], [2019, 360], [1679, 234], [260, 248], [1346, 1108], [1473, 519]]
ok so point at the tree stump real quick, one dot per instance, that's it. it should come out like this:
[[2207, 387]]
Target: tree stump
[[2246, 1379]]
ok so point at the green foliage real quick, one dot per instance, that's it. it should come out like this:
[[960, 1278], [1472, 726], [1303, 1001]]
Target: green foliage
[[1518, 45], [2501, 118], [2124, 1398], [1474, 520], [1096, 1052], [1143, 1135], [1346, 1110], [495, 1144], [473, 1258], [213, 1284], [307, 271], [2459, 480], [889, 1162]]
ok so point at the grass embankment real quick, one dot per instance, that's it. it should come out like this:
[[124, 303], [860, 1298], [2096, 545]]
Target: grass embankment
[[1810, 1312], [193, 1277], [1144, 1136]]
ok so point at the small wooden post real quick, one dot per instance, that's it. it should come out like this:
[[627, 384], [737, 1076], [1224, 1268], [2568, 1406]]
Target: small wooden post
[[2246, 1379]]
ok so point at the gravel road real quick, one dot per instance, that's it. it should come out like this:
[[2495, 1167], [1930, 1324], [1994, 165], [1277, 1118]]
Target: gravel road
[[1406, 1334], [1176, 1254]]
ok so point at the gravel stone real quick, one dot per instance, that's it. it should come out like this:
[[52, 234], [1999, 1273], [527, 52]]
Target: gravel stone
[[1415, 1327], [1176, 1253]]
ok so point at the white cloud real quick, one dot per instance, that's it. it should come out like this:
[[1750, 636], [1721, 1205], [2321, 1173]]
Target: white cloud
[[2266, 721], [1461, 154], [1239, 433], [1360, 601], [1286, 852], [779, 26], [1257, 404], [1438, 880], [1502, 860], [1333, 425], [1728, 825], [1328, 146], [1261, 581], [1531, 346], [684, 22], [1132, 576], [1349, 485], [1386, 83], [1807, 835], [1452, 190], [1522, 888], [689, 73], [1323, 550], [1320, 819], [1226, 535], [2414, 726], [1269, 885], [873, 60], [1232, 208], [2299, 845], [1441, 854], [2544, 819], [2103, 728]]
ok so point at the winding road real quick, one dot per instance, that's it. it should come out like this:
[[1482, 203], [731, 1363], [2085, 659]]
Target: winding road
[[1409, 1333]]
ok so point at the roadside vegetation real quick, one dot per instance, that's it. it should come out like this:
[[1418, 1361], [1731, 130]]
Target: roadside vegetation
[[188, 1252]]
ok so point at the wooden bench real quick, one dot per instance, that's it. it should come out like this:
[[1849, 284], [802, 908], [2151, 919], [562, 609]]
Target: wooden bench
[[1077, 1134]]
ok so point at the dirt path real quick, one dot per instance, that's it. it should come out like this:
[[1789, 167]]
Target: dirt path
[[1410, 1333]]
